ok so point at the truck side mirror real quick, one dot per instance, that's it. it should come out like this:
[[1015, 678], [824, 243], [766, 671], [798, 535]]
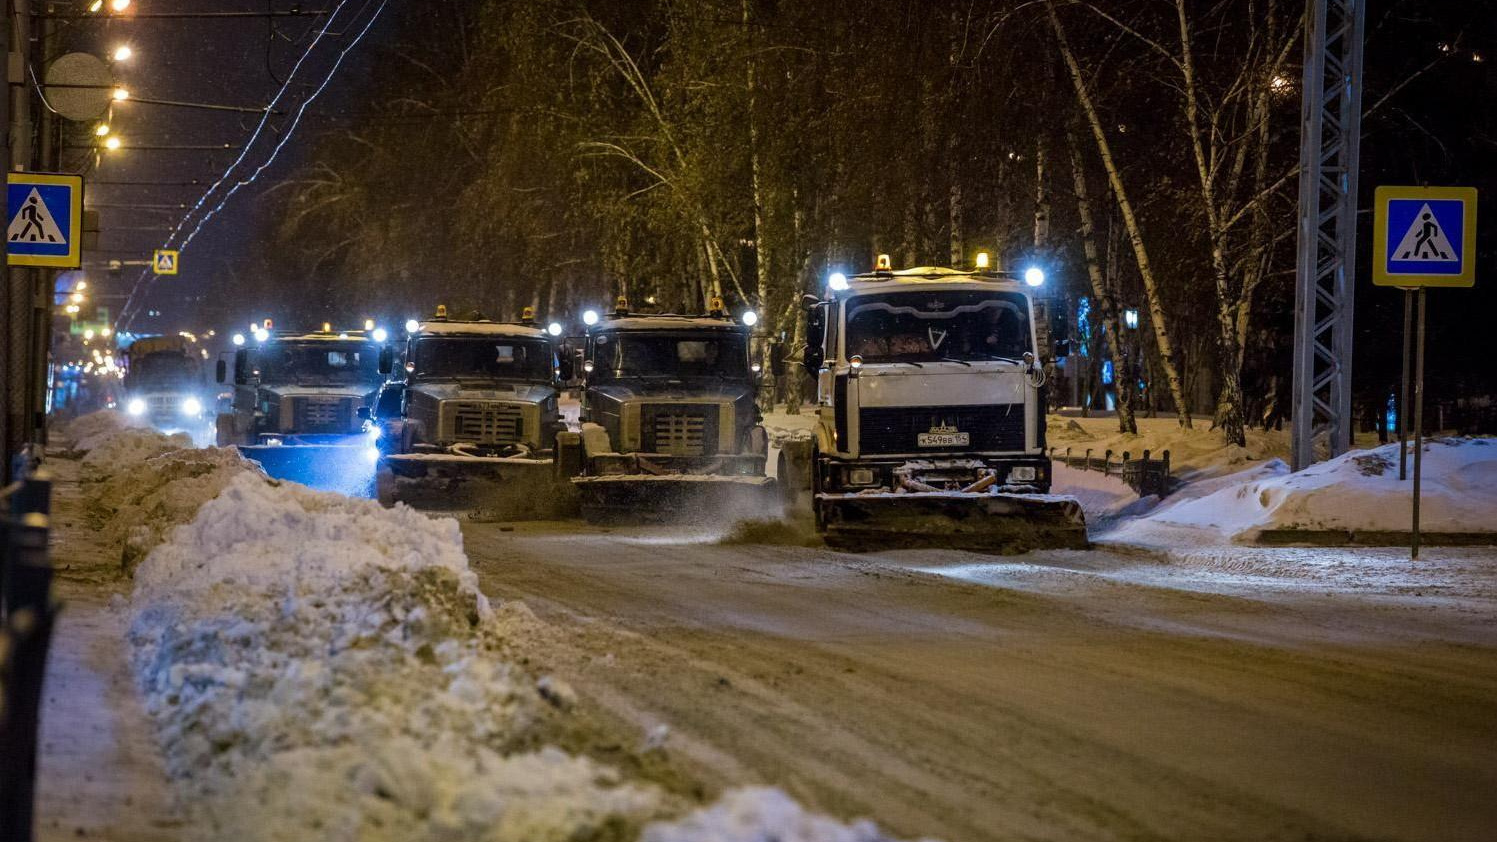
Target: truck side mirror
[[777, 360], [564, 366], [809, 302], [221, 371], [363, 413], [386, 359]]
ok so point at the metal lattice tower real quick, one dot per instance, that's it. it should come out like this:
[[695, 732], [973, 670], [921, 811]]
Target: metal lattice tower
[[1331, 131]]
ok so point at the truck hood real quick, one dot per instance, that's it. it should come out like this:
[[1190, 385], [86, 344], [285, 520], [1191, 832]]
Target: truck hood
[[941, 384], [726, 392], [525, 392], [355, 391]]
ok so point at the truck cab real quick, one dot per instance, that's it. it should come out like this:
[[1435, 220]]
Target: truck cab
[[674, 394], [164, 383], [474, 388], [300, 388], [927, 380]]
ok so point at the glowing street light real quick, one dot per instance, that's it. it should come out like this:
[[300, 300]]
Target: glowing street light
[[1130, 318], [123, 52], [112, 142], [101, 130], [120, 94]]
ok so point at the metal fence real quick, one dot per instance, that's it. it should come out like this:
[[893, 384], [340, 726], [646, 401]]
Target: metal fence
[[27, 614], [1146, 475]]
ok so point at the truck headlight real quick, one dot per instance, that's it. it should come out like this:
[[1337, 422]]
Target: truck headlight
[[192, 406], [1023, 473], [136, 406], [860, 476]]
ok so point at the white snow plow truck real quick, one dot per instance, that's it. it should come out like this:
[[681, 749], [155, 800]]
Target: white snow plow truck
[[299, 402], [670, 430], [473, 422], [164, 383], [931, 416]]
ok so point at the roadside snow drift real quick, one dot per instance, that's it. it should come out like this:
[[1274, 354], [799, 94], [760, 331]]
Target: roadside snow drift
[[1355, 492], [320, 667]]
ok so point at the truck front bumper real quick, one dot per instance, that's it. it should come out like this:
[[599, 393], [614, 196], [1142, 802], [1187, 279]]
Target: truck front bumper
[[1021, 473]]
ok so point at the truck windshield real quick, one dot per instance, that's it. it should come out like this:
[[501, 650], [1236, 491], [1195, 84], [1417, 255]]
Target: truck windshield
[[318, 363], [930, 326], [170, 369], [485, 357], [672, 355]]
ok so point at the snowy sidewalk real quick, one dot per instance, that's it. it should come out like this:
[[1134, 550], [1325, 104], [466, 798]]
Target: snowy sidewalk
[[100, 774]]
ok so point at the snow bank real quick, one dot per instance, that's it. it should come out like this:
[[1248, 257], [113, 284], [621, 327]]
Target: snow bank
[[758, 814], [319, 663], [142, 482], [1357, 491], [1195, 454], [122, 450]]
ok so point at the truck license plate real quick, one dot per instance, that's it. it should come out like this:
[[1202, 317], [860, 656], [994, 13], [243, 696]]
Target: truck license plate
[[943, 439]]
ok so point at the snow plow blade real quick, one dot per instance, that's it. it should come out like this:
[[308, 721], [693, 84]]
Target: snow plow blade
[[1003, 523], [486, 488], [348, 468], [650, 498]]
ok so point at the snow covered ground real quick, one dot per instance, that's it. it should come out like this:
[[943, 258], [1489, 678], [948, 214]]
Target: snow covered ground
[[319, 666]]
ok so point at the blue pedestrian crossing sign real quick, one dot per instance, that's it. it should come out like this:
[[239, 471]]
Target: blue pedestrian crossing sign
[[1424, 237], [44, 214]]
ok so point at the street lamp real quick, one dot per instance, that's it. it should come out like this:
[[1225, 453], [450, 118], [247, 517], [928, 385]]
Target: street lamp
[[101, 130], [123, 52], [112, 142], [120, 95], [1130, 318]]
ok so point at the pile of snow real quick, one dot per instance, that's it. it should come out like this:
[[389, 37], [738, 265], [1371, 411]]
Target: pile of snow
[[121, 451], [142, 482], [321, 667], [1356, 492], [87, 431], [760, 815], [319, 664], [142, 505], [781, 426]]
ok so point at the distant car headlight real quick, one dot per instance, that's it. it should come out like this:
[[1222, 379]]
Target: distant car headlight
[[136, 406], [192, 406]]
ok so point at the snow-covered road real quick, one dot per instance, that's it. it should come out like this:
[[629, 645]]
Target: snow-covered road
[[1098, 695]]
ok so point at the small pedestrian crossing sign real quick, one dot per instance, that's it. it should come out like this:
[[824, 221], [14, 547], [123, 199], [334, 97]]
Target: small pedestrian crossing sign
[[44, 214], [165, 261], [1425, 237]]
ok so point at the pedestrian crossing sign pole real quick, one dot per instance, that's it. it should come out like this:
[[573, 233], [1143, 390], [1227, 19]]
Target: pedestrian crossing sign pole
[[1422, 237], [44, 214]]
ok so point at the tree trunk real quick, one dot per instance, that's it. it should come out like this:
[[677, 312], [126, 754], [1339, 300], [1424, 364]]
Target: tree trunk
[[1106, 300], [762, 265], [1157, 318]]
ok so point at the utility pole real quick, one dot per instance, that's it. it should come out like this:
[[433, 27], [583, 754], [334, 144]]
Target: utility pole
[[15, 367], [1330, 139]]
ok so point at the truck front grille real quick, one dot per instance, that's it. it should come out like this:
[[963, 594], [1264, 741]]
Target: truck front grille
[[679, 429], [484, 422], [322, 415], [897, 429], [164, 409]]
